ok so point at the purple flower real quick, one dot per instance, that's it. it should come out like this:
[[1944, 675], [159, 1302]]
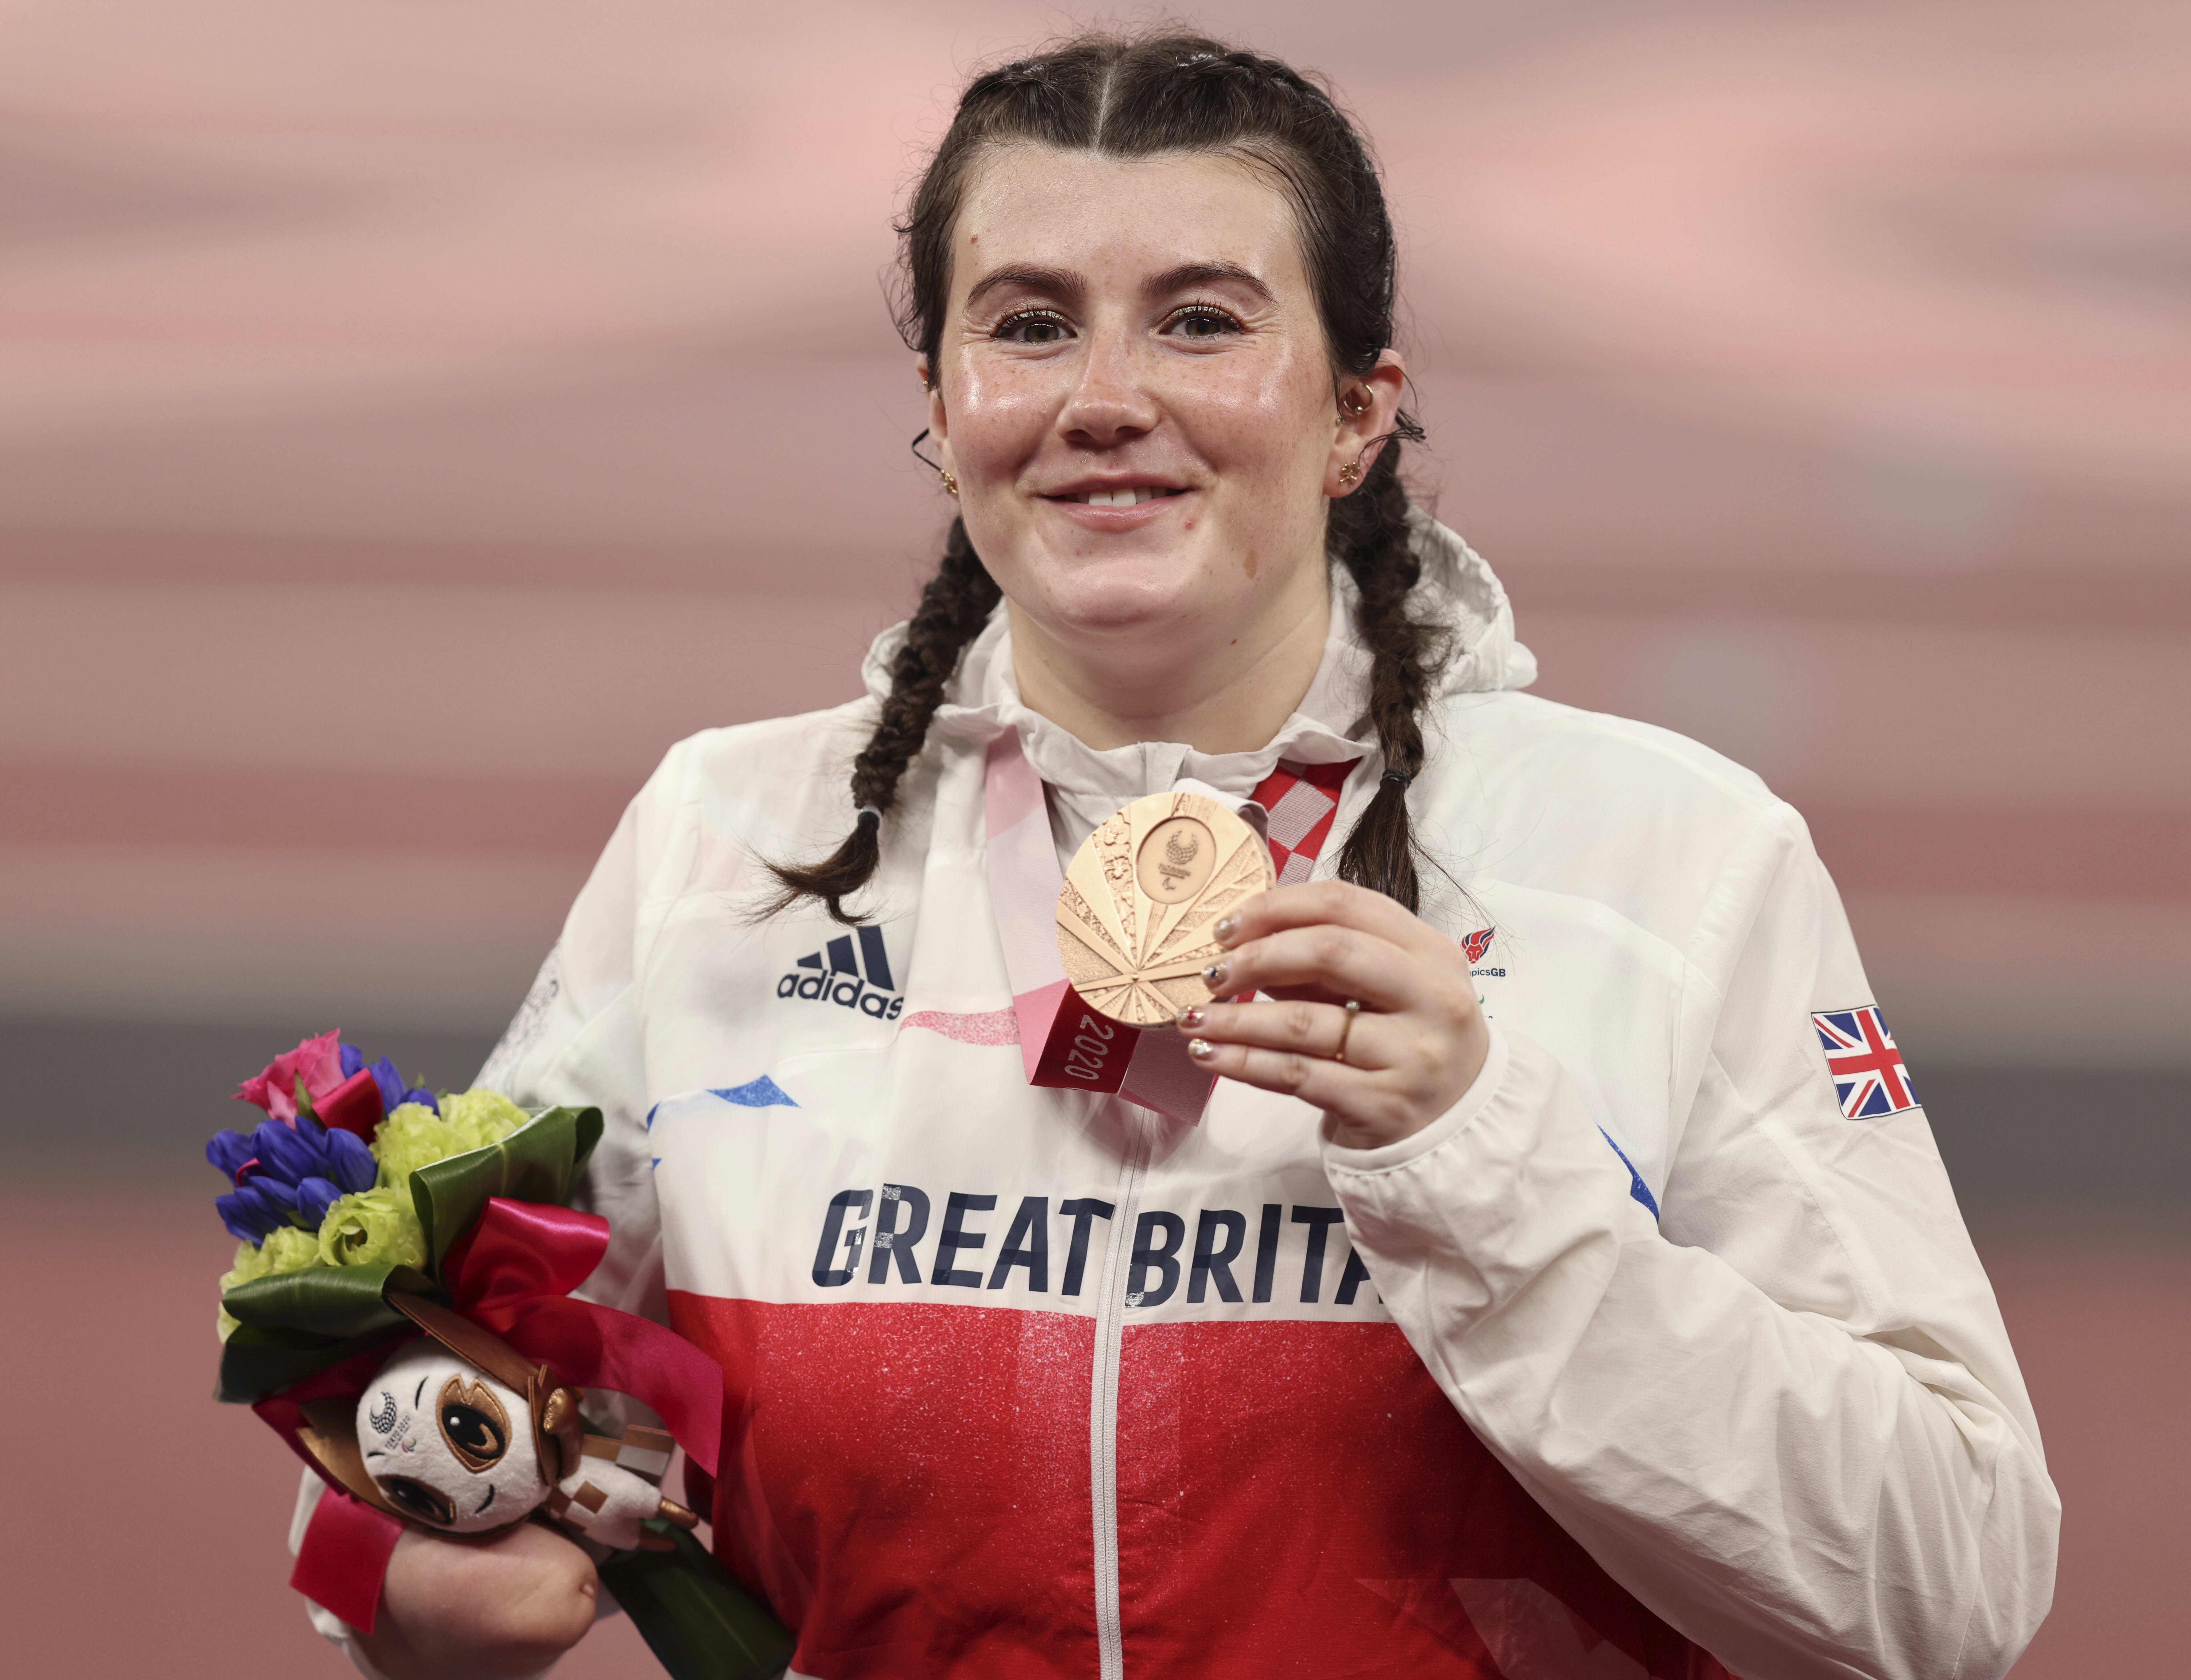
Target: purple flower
[[256, 1206], [249, 1213], [393, 1092], [230, 1152], [287, 1174], [314, 1196]]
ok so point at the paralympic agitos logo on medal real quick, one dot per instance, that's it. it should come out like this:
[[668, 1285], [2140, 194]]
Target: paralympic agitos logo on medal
[[848, 976]]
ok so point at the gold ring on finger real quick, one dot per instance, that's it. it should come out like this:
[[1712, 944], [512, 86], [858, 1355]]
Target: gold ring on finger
[[1346, 1028]]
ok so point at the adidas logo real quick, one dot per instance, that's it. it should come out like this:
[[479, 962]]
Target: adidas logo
[[838, 974]]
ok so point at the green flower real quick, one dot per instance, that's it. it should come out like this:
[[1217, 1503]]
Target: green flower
[[372, 1227], [482, 1117], [414, 1136], [287, 1249]]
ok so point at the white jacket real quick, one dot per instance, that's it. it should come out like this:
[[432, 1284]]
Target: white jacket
[[1643, 1348]]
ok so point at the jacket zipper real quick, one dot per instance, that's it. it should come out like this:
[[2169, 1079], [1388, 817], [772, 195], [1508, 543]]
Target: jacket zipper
[[1103, 1406]]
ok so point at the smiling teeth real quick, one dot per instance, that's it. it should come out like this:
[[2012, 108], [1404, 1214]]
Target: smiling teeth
[[1119, 498]]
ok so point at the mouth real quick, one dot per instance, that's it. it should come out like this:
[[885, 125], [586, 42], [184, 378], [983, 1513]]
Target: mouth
[[1114, 493]]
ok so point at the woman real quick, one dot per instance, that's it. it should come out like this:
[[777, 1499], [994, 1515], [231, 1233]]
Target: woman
[[1545, 1315]]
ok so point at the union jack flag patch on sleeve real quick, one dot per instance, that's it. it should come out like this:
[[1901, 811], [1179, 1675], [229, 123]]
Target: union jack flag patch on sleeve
[[1867, 1069]]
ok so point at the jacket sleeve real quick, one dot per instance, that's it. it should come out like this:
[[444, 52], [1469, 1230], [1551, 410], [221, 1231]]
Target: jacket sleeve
[[1784, 1414], [578, 1038]]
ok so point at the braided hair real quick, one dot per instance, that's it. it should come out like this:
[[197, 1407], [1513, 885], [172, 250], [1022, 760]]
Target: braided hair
[[1137, 96]]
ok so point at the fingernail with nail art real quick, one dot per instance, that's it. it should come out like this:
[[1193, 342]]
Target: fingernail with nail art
[[1227, 925], [1201, 1049], [1214, 975], [1190, 1017]]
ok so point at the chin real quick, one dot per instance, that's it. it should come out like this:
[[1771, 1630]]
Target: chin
[[1120, 596]]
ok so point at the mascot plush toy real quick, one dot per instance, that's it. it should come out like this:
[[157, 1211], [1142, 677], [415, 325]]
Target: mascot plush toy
[[460, 1433], [401, 1313]]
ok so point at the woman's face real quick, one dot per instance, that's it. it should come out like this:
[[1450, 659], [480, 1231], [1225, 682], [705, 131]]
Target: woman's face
[[1136, 397]]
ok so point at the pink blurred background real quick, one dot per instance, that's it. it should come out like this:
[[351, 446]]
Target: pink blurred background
[[414, 416]]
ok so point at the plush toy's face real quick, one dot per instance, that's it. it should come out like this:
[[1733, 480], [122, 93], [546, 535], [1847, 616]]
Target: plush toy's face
[[447, 1444]]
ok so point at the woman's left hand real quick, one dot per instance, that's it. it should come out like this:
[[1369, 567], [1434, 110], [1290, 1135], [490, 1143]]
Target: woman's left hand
[[1411, 1050]]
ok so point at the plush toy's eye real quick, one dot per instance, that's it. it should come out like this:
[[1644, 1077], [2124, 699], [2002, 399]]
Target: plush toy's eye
[[473, 1436], [473, 1423], [418, 1500]]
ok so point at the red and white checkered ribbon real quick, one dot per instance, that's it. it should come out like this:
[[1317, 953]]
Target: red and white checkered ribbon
[[1303, 799]]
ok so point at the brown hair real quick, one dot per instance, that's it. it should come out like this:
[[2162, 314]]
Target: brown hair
[[1139, 96]]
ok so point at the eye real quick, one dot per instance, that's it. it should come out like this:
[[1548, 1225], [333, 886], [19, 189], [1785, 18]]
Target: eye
[[472, 1434], [1033, 327], [416, 1499], [1202, 321], [473, 1423]]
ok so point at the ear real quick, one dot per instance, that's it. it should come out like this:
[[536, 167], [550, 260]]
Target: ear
[[1356, 440], [939, 419]]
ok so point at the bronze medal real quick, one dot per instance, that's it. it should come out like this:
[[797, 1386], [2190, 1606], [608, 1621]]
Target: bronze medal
[[1142, 897]]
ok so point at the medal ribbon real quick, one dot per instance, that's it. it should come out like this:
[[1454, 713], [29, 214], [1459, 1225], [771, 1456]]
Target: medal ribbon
[[1067, 1045]]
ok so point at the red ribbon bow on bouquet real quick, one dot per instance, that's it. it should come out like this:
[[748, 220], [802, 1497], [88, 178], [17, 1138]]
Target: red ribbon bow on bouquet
[[512, 1273]]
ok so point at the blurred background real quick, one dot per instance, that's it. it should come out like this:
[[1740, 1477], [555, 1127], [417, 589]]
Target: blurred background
[[414, 416]]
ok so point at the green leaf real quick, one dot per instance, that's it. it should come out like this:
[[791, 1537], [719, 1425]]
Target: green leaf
[[540, 1161], [294, 1324], [256, 1361], [333, 1302], [699, 1622]]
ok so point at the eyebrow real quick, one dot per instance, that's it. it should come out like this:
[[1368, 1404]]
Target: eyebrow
[[1189, 275], [1062, 281], [1065, 282]]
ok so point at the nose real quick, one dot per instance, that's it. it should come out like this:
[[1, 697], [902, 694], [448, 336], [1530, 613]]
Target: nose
[[1109, 402]]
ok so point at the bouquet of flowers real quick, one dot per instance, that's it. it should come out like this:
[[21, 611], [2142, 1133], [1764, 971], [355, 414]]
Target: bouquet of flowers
[[400, 1312]]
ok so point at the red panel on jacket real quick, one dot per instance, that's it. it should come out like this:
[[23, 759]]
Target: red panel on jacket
[[908, 1484], [1300, 1498]]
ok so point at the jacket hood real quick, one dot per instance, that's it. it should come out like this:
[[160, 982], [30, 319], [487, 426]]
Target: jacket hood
[[1486, 655]]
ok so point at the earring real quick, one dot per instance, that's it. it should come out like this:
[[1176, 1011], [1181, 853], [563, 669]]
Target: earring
[[1349, 476], [950, 483], [1356, 404]]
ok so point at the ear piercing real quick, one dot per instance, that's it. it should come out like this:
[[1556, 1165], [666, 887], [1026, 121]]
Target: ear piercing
[[950, 482], [1354, 405]]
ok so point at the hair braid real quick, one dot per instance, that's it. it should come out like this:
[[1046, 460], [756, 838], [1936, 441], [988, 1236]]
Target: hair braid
[[954, 607], [1369, 538]]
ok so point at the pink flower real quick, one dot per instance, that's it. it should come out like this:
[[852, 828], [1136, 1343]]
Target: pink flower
[[316, 1061]]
